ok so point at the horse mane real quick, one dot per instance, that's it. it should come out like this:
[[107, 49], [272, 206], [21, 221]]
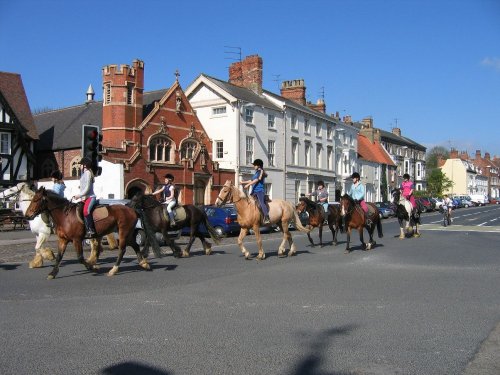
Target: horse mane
[[140, 200], [56, 197], [309, 203], [348, 197]]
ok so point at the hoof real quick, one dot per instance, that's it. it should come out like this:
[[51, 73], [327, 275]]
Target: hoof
[[50, 277], [261, 257], [248, 256], [208, 251], [113, 271], [145, 265], [292, 253], [185, 254], [402, 237], [416, 235], [347, 251], [37, 262]]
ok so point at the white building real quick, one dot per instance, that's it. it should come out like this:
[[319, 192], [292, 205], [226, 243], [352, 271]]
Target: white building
[[297, 141]]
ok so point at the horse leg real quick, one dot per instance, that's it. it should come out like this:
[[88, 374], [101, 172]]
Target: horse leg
[[61, 248], [261, 255], [79, 255], [37, 260], [416, 233], [288, 236], [361, 236], [334, 232], [320, 228], [95, 250], [143, 262], [310, 239], [207, 246], [371, 242], [347, 248], [122, 240], [46, 252], [176, 250], [111, 242], [185, 252], [243, 233]]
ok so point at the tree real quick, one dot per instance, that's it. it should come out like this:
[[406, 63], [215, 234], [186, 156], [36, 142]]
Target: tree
[[432, 156], [438, 182]]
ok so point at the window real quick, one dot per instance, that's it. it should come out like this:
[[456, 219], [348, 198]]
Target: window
[[75, 170], [346, 165], [47, 168], [268, 188], [376, 173], [308, 154], [218, 111], [295, 152], [351, 140], [318, 129], [249, 115], [219, 149], [107, 93], [160, 149], [418, 171], [270, 152], [407, 166], [130, 91], [188, 149], [329, 132], [294, 121], [329, 158], [271, 121], [318, 156], [5, 143], [306, 126], [297, 190], [249, 150]]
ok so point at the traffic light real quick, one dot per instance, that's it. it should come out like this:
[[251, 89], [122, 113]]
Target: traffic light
[[90, 146]]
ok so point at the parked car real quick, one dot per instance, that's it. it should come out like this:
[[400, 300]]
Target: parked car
[[494, 200], [467, 203], [389, 205], [457, 203], [427, 204], [224, 220], [480, 199], [140, 235], [438, 202], [384, 211]]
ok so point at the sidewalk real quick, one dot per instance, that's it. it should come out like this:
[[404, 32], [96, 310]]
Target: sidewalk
[[14, 237]]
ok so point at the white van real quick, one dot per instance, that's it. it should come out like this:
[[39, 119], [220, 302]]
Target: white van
[[480, 199]]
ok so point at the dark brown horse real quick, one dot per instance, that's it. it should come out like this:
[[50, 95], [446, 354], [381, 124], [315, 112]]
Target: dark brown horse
[[188, 215], [317, 216], [69, 228], [355, 219]]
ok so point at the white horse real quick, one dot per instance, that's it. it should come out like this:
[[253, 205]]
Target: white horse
[[39, 228], [407, 217]]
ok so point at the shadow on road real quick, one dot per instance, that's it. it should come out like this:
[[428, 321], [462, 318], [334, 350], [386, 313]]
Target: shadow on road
[[133, 368]]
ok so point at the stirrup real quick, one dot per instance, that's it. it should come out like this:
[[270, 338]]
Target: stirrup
[[90, 234]]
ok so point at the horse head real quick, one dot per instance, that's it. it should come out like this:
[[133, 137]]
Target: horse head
[[301, 206], [38, 204], [346, 204], [226, 194], [396, 195]]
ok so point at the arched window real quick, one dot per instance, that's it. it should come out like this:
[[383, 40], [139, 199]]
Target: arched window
[[75, 167], [160, 149], [188, 149]]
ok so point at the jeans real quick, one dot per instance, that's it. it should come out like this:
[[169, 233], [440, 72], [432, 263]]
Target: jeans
[[262, 203]]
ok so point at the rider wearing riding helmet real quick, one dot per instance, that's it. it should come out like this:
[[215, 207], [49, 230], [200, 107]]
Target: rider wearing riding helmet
[[87, 195], [258, 190], [357, 192], [407, 190]]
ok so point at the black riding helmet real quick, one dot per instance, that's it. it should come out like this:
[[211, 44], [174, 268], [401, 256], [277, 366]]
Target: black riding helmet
[[86, 161], [355, 175], [406, 176]]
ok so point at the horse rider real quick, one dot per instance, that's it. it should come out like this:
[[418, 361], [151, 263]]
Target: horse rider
[[169, 197], [321, 195], [258, 190], [87, 195], [407, 190], [357, 192], [59, 186]]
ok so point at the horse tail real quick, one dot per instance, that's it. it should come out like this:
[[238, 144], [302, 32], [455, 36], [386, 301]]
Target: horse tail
[[150, 235], [211, 230], [297, 222], [379, 228]]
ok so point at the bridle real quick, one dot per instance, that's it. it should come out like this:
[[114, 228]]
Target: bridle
[[229, 195]]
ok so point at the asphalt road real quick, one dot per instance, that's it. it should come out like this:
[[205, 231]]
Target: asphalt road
[[427, 305]]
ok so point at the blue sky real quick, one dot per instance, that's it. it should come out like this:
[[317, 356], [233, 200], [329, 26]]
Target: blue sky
[[431, 67]]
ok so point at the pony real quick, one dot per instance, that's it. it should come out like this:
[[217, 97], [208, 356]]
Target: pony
[[250, 217], [355, 219], [317, 216], [156, 220], [69, 227], [408, 218]]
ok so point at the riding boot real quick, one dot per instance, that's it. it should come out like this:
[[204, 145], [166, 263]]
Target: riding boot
[[267, 220], [172, 219], [89, 224]]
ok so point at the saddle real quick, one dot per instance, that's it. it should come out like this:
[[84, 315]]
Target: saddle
[[100, 212], [179, 213]]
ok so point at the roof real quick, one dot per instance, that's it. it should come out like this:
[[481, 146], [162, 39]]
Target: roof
[[243, 93], [61, 129], [373, 151], [393, 138], [12, 89]]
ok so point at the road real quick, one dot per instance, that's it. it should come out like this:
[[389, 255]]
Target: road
[[427, 305]]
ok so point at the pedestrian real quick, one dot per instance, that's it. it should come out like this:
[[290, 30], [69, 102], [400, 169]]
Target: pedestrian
[[59, 186], [258, 187], [169, 197], [87, 195]]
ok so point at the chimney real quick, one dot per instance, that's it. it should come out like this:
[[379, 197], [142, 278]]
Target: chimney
[[478, 154], [247, 73], [453, 154], [396, 131], [487, 155], [320, 106], [294, 90], [367, 122], [347, 119], [464, 155], [90, 94]]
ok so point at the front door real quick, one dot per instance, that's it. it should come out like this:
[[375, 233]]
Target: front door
[[199, 191]]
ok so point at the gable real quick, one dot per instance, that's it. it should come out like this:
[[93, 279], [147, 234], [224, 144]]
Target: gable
[[206, 95]]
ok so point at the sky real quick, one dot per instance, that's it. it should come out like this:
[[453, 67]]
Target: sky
[[429, 67]]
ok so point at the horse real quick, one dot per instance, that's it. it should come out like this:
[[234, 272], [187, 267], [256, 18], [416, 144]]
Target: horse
[[317, 216], [355, 219], [408, 218], [69, 227], [188, 215], [250, 217]]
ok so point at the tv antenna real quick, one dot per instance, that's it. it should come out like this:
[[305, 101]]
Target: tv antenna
[[277, 80], [322, 93], [233, 53]]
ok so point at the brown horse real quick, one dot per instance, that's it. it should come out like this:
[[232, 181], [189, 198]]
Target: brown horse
[[317, 216], [69, 228], [157, 220], [355, 219], [250, 217]]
